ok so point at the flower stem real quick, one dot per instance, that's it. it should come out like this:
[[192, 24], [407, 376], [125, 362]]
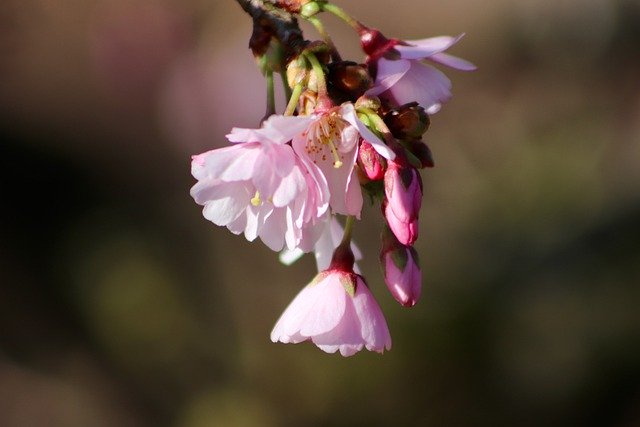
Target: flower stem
[[342, 14], [325, 36], [381, 127], [348, 227], [285, 83], [271, 101], [319, 72], [293, 100]]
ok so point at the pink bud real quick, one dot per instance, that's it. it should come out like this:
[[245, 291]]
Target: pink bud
[[371, 163], [403, 199], [401, 269]]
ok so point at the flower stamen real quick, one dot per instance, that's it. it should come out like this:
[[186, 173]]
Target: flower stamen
[[337, 162], [255, 201], [326, 132]]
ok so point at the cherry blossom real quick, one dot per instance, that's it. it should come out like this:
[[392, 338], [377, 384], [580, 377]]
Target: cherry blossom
[[260, 187], [330, 142], [406, 79], [337, 312]]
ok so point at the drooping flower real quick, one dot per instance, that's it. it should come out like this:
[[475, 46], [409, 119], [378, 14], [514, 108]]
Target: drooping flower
[[331, 143], [260, 187], [337, 312], [401, 268], [403, 199], [403, 78]]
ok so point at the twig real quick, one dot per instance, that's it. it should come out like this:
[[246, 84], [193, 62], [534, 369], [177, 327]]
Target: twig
[[270, 21]]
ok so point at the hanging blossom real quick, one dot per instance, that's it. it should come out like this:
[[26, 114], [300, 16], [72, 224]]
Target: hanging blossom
[[336, 311], [260, 187], [331, 143], [401, 75], [350, 132]]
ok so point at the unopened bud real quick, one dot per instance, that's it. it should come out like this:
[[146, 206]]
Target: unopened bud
[[403, 199], [401, 268], [297, 72], [309, 9], [420, 151], [348, 77], [408, 121], [370, 162]]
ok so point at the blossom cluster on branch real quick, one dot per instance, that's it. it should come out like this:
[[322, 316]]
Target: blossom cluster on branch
[[349, 130]]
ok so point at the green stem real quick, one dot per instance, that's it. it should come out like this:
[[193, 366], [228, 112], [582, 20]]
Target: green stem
[[285, 83], [381, 127], [271, 101], [325, 36], [318, 71], [348, 227], [293, 100], [342, 14]]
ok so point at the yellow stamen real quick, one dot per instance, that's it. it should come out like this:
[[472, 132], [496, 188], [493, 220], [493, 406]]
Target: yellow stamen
[[337, 162], [256, 199]]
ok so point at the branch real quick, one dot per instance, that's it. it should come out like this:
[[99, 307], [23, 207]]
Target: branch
[[270, 21]]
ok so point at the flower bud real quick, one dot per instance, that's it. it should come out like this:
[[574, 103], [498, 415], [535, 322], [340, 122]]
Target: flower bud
[[408, 121], [421, 152], [297, 72], [401, 268], [403, 199], [309, 9], [350, 78], [370, 162]]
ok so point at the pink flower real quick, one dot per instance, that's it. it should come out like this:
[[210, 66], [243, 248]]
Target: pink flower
[[401, 269], [331, 143], [260, 187], [336, 311], [403, 199], [402, 78]]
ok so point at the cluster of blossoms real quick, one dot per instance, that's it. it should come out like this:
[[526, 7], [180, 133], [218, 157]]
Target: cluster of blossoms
[[348, 129]]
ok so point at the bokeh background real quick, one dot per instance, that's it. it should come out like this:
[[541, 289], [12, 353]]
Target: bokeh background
[[121, 306]]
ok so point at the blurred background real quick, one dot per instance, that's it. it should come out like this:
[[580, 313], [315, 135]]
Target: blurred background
[[120, 305]]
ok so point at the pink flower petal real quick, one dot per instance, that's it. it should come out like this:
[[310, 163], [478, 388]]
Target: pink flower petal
[[346, 336], [389, 72], [277, 129], [374, 330], [291, 320], [453, 62], [273, 230], [424, 84], [348, 112], [424, 48], [327, 311], [223, 202]]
